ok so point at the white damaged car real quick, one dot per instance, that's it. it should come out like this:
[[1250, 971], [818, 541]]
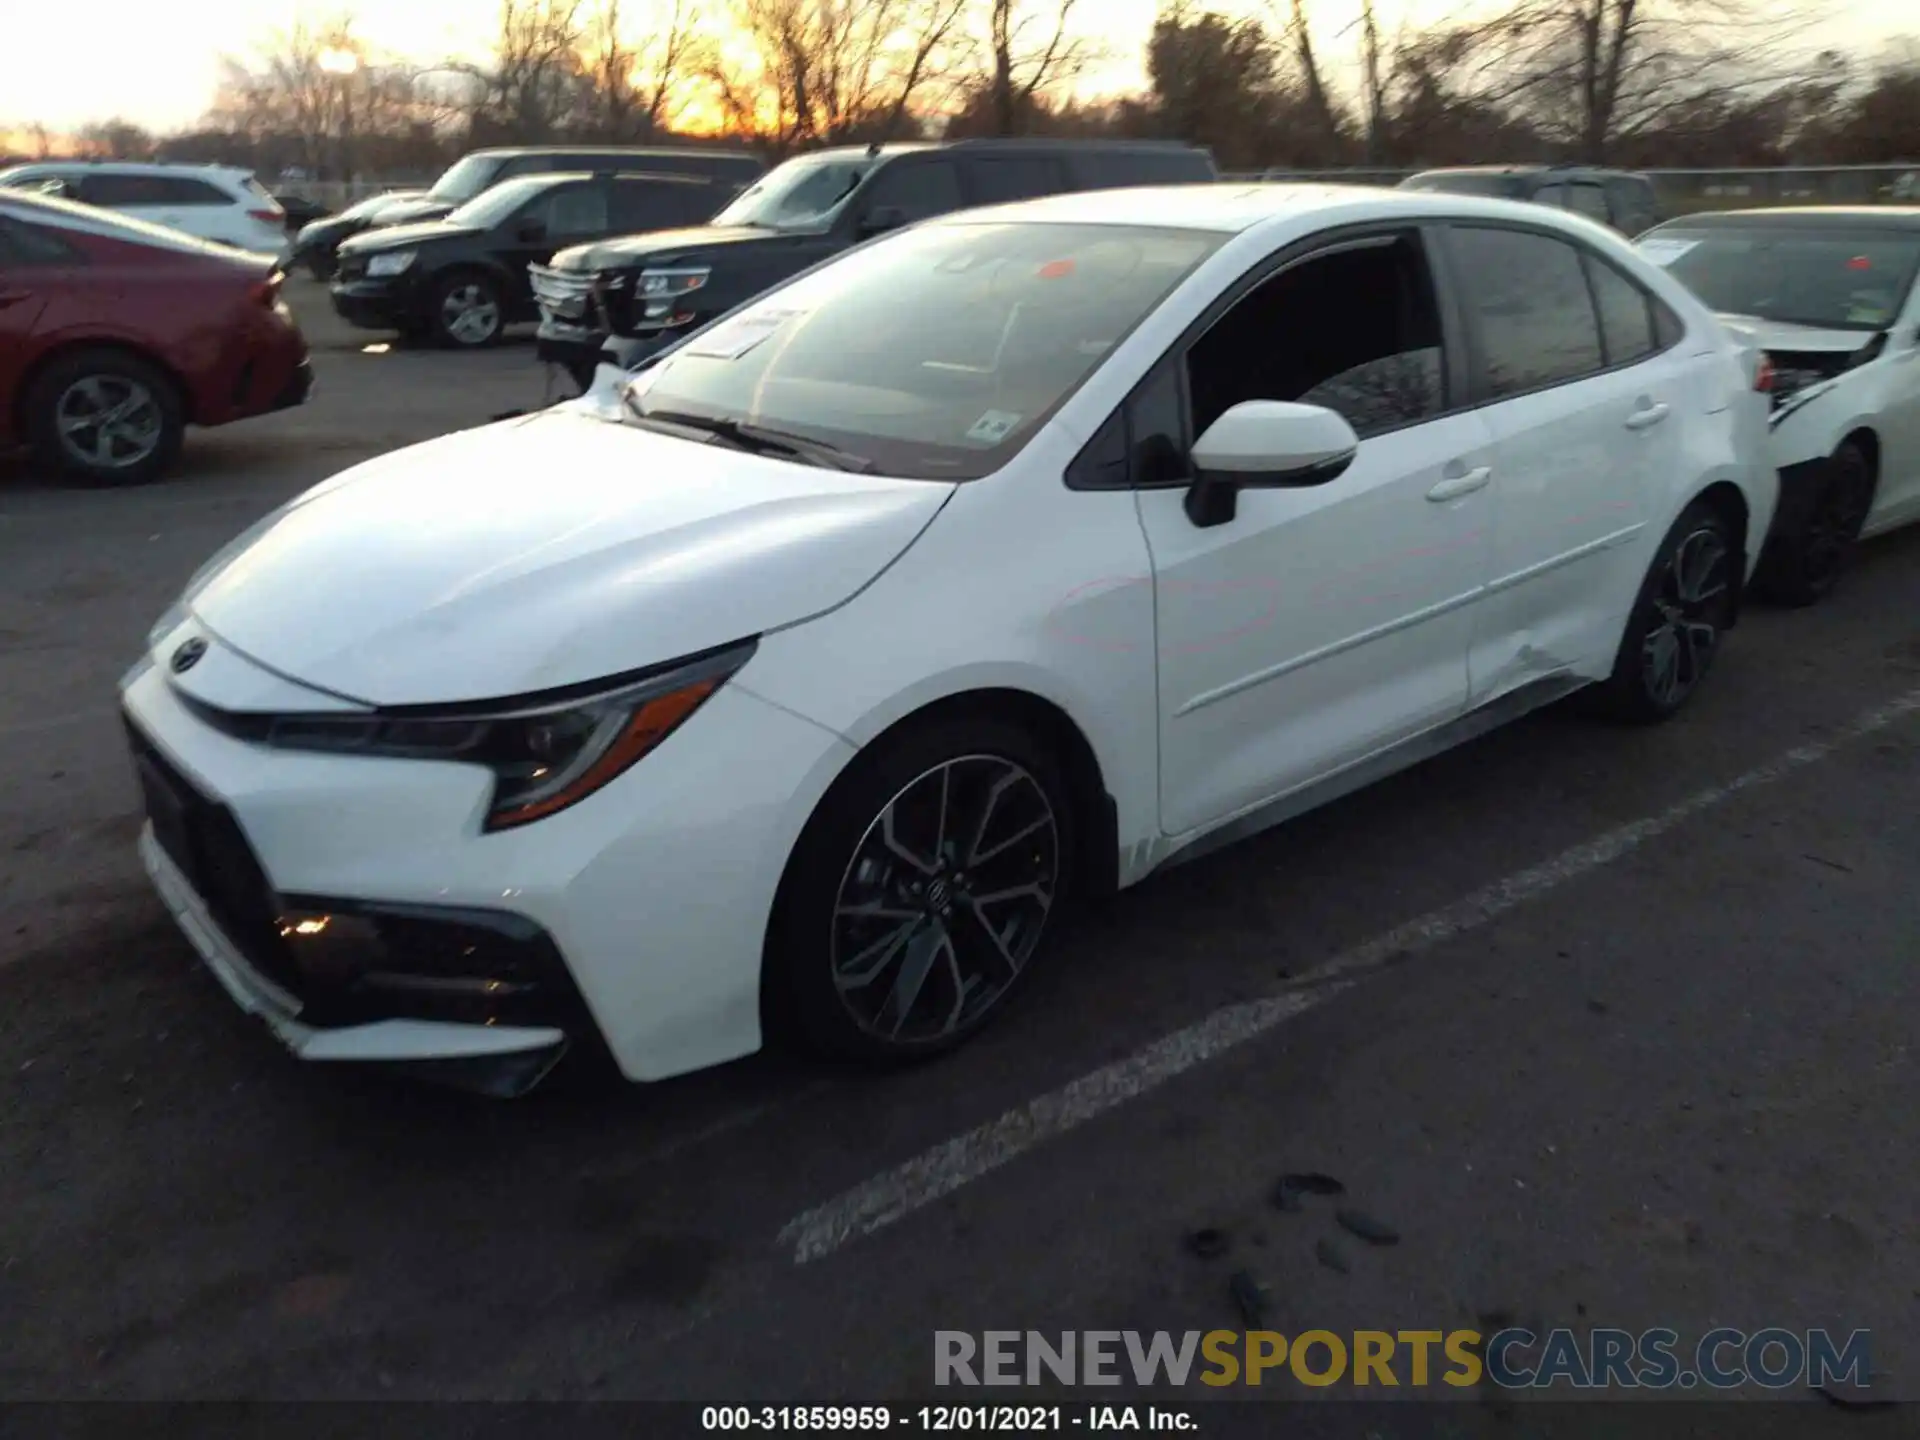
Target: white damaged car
[[1829, 295]]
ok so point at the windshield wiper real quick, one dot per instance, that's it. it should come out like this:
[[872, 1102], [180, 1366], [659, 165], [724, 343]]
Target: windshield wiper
[[755, 439]]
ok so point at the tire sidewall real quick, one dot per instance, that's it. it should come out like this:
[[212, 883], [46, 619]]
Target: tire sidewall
[[453, 280], [800, 1003], [65, 372]]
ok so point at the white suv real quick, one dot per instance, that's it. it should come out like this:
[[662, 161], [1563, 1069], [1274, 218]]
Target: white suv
[[211, 202]]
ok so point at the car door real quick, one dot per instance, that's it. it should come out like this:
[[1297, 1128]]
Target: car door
[[1583, 445], [568, 214], [1897, 495], [1320, 624], [32, 262]]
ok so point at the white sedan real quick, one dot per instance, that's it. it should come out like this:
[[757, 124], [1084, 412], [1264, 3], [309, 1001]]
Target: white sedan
[[801, 681], [1829, 295]]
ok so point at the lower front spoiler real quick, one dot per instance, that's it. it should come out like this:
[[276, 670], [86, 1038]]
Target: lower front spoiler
[[498, 1060]]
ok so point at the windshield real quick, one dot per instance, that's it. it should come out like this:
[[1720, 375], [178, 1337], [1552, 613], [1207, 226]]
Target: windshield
[[1835, 279], [934, 355], [500, 202], [1506, 187], [465, 178], [799, 195]]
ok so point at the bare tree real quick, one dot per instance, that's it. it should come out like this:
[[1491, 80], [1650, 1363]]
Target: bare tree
[[1031, 52], [829, 71], [1589, 74], [533, 84], [1297, 27]]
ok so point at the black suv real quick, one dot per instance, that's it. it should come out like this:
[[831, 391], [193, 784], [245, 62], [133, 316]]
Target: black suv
[[1619, 198], [622, 299], [463, 279], [474, 173]]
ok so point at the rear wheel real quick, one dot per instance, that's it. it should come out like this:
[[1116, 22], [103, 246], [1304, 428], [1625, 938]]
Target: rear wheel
[[1803, 566], [921, 894], [1673, 634], [106, 417], [468, 312]]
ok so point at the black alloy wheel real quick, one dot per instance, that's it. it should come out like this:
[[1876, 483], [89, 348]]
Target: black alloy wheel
[[922, 894]]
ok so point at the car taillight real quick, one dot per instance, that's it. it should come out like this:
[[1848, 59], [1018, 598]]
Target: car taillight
[[269, 217], [1763, 374]]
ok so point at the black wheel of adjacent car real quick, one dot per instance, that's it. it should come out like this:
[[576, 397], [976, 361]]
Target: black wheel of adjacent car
[[105, 416], [1684, 608], [920, 896], [1803, 566], [468, 311]]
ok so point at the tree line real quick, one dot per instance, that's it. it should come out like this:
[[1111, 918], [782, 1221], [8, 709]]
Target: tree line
[[1639, 83]]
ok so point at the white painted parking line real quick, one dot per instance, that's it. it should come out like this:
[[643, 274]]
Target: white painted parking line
[[877, 1203]]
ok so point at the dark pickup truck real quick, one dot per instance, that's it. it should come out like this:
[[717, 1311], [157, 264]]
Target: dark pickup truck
[[622, 299]]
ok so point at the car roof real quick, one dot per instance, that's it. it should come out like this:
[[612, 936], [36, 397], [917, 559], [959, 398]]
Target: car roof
[[511, 150], [1229, 208], [126, 167], [1019, 144], [1808, 217], [1530, 170]]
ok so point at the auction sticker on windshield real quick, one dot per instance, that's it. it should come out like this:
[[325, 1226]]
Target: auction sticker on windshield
[[993, 427], [1665, 252], [735, 338]]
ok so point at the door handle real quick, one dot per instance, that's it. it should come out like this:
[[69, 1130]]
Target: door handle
[[1465, 483], [1647, 415]]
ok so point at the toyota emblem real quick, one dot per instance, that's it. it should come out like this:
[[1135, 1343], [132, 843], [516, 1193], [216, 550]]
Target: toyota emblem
[[188, 655]]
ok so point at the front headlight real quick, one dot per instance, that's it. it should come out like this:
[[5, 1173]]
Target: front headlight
[[661, 291], [389, 262], [545, 754]]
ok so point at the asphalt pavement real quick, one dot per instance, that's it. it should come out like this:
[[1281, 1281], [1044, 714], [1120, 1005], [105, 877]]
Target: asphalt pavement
[[1613, 1027]]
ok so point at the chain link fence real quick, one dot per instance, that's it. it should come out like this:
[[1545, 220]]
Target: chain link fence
[[1684, 192]]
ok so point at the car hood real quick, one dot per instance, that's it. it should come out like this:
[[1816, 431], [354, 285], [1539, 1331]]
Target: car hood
[[410, 208], [547, 551], [663, 247], [400, 237], [1778, 335]]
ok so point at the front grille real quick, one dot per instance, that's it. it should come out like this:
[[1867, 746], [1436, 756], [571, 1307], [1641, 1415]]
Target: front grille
[[563, 294], [350, 267], [204, 840]]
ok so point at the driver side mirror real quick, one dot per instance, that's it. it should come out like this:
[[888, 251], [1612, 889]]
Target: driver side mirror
[[1268, 444], [879, 220], [531, 230]]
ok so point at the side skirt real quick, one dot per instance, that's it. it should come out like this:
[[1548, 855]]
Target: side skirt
[[1512, 706]]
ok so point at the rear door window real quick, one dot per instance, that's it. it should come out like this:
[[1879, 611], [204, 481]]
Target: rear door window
[[1554, 195], [998, 179], [575, 210], [1586, 198], [1532, 311], [919, 189], [1627, 331]]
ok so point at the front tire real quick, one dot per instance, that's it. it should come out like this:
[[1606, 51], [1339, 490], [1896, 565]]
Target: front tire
[[1802, 566], [1685, 605], [105, 417], [469, 312], [921, 894]]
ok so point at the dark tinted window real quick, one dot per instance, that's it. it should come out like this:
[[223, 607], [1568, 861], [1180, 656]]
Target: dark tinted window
[[919, 189], [1117, 170], [640, 205], [130, 190], [573, 210], [1528, 296], [22, 245], [1626, 314], [1001, 178], [1554, 195], [1632, 202], [1589, 200], [1375, 358]]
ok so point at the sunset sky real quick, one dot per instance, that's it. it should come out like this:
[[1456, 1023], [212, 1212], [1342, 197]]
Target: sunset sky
[[162, 63]]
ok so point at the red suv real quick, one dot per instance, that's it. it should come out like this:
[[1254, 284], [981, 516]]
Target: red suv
[[115, 335]]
